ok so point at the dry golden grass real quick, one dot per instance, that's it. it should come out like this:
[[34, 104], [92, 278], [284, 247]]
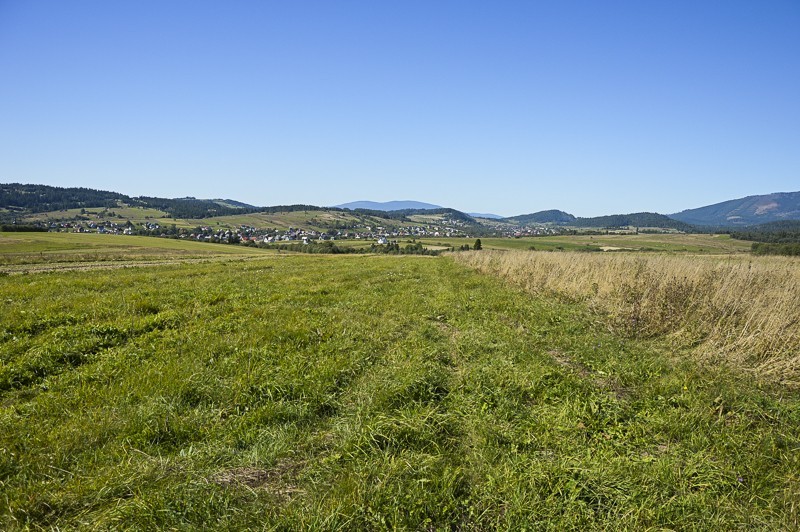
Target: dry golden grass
[[744, 311]]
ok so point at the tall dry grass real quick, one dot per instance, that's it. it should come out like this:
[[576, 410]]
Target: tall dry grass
[[742, 310]]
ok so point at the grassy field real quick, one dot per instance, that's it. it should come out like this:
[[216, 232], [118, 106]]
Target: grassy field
[[677, 243], [31, 251], [368, 392], [739, 310]]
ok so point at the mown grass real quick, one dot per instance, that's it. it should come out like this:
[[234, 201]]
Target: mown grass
[[51, 248], [366, 393]]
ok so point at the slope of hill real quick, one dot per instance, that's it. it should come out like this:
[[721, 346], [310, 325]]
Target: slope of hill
[[751, 210], [638, 219], [42, 198], [388, 205], [543, 217], [20, 198], [234, 204]]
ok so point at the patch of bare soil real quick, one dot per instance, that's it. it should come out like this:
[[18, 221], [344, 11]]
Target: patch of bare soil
[[279, 480]]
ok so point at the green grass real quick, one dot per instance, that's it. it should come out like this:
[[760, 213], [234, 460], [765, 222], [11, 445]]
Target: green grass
[[643, 242], [366, 392], [22, 251]]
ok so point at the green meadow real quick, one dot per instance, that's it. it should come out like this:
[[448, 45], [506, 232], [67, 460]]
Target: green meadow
[[270, 390], [675, 243], [23, 252]]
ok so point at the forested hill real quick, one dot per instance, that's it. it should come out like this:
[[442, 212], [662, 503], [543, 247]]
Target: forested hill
[[787, 231], [543, 217], [192, 208], [638, 219], [451, 214], [44, 198]]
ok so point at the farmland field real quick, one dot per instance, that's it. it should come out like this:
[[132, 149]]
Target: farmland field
[[125, 212], [678, 243], [20, 252], [365, 392]]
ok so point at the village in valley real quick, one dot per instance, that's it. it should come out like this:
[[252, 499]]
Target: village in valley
[[108, 222]]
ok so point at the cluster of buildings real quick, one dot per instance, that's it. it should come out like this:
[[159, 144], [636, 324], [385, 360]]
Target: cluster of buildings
[[246, 233], [105, 227], [518, 232]]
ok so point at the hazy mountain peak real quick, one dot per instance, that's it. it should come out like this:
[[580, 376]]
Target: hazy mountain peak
[[388, 205]]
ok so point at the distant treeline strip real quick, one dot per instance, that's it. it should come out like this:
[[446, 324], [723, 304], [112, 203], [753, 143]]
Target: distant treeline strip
[[16, 228], [766, 248], [783, 232]]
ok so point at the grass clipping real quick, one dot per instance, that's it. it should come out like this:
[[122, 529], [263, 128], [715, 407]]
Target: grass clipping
[[744, 311]]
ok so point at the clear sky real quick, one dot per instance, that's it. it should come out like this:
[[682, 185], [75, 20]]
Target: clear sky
[[496, 106]]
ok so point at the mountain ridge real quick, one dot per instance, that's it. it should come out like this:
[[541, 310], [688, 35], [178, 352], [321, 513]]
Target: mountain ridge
[[747, 211], [487, 215]]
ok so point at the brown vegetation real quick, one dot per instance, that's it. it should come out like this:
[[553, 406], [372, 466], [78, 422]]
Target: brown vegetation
[[744, 311]]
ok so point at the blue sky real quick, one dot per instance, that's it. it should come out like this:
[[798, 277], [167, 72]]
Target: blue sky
[[505, 107]]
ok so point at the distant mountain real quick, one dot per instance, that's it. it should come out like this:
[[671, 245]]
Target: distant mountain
[[752, 210], [485, 215], [637, 219], [543, 217], [388, 205]]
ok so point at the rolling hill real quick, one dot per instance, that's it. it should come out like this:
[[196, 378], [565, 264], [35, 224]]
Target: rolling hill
[[19, 198], [542, 217], [638, 219]]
